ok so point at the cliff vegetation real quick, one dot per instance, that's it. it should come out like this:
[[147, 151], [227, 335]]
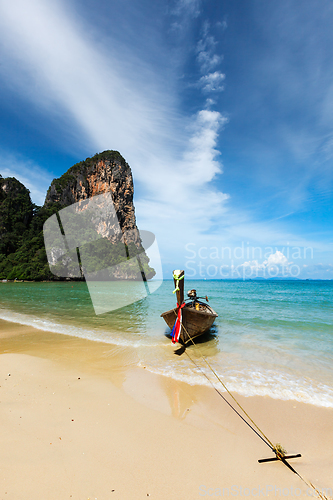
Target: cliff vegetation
[[22, 250]]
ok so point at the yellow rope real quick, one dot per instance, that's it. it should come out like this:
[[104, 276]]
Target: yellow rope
[[225, 387], [274, 448]]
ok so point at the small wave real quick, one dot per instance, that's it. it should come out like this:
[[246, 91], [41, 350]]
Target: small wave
[[257, 383], [109, 337], [251, 380]]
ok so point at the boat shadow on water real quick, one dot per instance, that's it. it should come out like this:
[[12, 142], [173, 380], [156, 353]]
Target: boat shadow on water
[[208, 339]]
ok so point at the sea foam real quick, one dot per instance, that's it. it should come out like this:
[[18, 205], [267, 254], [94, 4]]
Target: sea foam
[[95, 335]]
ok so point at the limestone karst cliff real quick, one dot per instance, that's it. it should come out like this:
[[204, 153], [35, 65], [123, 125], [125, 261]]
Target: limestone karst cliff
[[106, 173], [16, 212]]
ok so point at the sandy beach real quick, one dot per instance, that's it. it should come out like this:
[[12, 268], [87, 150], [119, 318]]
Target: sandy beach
[[81, 420]]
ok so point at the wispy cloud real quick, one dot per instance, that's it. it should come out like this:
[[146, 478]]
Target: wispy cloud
[[207, 62], [207, 58], [291, 70], [212, 82], [34, 177], [112, 97], [276, 264], [118, 103], [202, 155], [189, 7], [56, 64], [190, 189]]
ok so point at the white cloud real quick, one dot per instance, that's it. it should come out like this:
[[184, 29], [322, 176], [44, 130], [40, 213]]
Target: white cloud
[[277, 259], [119, 102], [189, 188], [210, 102], [275, 265], [201, 158], [112, 98], [116, 100], [206, 57], [207, 61], [35, 178], [212, 82], [187, 7]]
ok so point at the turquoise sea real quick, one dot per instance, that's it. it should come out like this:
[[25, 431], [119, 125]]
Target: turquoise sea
[[271, 338]]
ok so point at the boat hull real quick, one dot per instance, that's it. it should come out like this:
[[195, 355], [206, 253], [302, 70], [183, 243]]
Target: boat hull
[[195, 322]]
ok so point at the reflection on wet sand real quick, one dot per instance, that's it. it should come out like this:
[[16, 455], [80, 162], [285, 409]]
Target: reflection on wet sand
[[99, 358], [180, 399], [120, 365]]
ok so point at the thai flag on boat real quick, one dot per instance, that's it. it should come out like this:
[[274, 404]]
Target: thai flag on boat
[[177, 327]]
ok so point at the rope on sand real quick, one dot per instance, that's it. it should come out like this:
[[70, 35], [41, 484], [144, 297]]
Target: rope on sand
[[277, 449]]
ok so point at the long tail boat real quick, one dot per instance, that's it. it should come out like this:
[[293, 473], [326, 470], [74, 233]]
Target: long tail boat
[[196, 317]]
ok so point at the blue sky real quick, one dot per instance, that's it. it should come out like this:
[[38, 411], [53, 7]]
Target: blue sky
[[223, 109]]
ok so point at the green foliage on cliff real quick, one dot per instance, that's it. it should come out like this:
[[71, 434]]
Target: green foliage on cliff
[[22, 250], [69, 177], [16, 212]]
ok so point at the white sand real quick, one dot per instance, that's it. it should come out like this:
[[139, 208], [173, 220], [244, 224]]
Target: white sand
[[71, 427]]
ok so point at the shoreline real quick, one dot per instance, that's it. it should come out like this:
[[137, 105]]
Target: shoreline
[[150, 434], [276, 383]]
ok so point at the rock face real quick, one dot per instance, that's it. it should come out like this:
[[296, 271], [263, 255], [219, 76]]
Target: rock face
[[22, 250], [105, 174]]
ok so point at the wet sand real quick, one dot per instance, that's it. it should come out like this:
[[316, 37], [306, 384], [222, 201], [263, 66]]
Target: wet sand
[[81, 420]]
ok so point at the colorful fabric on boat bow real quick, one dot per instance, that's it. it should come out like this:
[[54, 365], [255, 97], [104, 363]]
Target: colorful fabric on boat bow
[[178, 324]]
